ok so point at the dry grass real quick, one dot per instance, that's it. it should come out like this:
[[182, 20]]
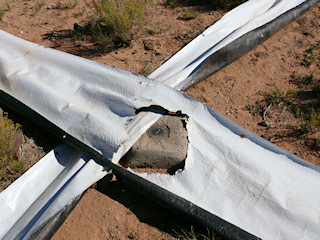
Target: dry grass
[[2, 12], [11, 162], [66, 4], [114, 23], [3, 8], [193, 235]]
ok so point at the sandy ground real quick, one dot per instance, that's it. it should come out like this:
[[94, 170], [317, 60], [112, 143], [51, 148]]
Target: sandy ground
[[110, 210]]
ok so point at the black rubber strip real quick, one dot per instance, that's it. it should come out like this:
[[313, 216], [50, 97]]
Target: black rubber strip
[[48, 229]]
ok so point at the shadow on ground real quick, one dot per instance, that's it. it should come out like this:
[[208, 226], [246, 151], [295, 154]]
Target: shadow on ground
[[71, 41], [148, 211]]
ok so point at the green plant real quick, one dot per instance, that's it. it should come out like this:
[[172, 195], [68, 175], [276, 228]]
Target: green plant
[[318, 140], [306, 78], [301, 109], [66, 4], [312, 54], [309, 121], [11, 163], [148, 69], [117, 21], [302, 81], [191, 15], [4, 9], [172, 3], [2, 12], [80, 13], [189, 36], [8, 6], [38, 7], [276, 95]]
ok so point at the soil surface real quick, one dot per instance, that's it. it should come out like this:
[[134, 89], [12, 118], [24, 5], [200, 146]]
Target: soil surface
[[109, 210]]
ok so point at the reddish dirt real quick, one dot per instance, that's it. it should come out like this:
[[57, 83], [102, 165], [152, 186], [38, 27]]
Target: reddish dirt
[[110, 210]]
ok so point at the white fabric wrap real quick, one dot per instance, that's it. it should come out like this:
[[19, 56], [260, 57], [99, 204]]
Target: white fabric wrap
[[248, 182]]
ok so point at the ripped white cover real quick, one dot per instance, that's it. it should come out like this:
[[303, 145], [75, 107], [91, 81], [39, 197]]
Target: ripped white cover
[[247, 181]]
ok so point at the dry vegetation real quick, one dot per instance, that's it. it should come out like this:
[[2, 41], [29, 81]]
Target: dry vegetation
[[4, 8], [115, 23], [11, 162], [297, 108]]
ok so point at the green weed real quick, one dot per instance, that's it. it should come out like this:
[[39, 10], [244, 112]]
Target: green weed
[[38, 7], [66, 4], [189, 36], [299, 111], [309, 121], [302, 81], [117, 21], [312, 54], [3, 9], [80, 13], [11, 164], [172, 3], [306, 78], [8, 6], [191, 15], [276, 95], [318, 140], [2, 12], [148, 69], [154, 29]]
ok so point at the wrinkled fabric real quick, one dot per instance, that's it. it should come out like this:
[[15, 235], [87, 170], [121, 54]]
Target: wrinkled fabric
[[248, 182]]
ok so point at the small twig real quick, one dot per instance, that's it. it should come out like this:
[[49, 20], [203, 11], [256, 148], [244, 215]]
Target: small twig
[[39, 25], [264, 116], [146, 66], [300, 152], [125, 60]]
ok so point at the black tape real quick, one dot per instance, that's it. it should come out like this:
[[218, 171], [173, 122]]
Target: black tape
[[48, 229]]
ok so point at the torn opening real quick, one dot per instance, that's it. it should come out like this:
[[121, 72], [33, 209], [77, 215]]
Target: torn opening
[[163, 147], [160, 110]]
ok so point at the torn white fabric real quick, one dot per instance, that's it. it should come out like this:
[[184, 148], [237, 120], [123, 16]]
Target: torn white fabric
[[247, 181]]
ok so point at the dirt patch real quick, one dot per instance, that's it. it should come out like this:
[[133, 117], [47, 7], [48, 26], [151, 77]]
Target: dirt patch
[[112, 211]]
